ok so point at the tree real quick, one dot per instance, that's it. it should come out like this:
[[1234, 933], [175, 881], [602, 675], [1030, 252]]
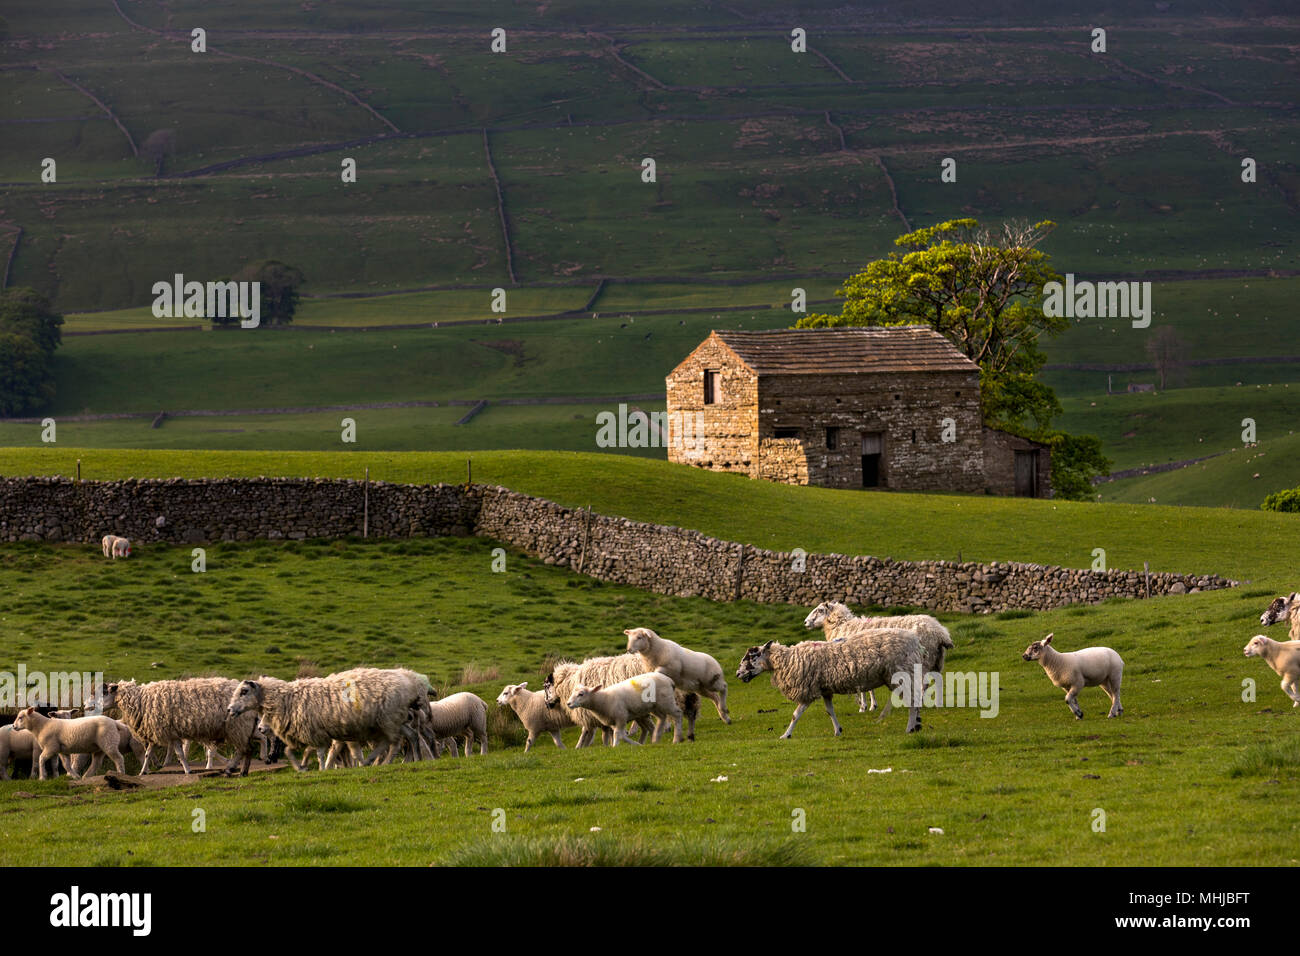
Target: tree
[[157, 146], [983, 291], [1167, 351], [29, 334], [279, 300]]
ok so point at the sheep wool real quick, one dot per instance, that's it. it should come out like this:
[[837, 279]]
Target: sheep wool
[[688, 670], [460, 715], [79, 735], [1284, 658], [163, 713], [803, 672]]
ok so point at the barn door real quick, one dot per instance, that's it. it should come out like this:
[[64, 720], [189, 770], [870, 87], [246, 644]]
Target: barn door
[[1026, 473], [873, 448]]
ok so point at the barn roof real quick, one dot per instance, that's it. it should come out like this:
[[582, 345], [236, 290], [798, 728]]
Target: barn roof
[[908, 348]]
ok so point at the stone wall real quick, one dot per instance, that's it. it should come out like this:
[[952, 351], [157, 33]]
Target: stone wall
[[1000, 463], [727, 437], [783, 460], [666, 560]]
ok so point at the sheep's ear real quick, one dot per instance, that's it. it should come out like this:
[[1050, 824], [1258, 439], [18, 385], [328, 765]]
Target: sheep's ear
[[767, 645], [1047, 639], [1294, 596], [523, 683], [627, 632]]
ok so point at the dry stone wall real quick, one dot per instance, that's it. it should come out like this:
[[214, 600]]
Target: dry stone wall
[[666, 560]]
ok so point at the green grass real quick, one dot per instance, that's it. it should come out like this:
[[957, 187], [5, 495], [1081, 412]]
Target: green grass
[[1187, 777], [1245, 545]]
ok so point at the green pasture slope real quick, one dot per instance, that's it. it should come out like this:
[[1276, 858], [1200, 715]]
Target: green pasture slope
[[1189, 775]]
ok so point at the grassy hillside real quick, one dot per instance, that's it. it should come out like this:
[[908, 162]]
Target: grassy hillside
[[1186, 740], [1245, 545]]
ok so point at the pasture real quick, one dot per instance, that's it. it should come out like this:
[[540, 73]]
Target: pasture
[[1190, 775]]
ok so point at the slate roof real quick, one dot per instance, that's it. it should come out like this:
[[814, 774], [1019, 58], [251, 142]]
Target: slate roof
[[909, 348]]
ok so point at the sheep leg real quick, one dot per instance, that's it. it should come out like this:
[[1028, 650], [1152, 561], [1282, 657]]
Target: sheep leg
[[798, 712], [913, 719], [621, 734], [114, 755], [555, 735], [862, 702], [585, 738], [293, 761], [482, 745], [1071, 699], [38, 759], [1112, 691], [677, 728], [181, 748], [719, 698], [830, 709]]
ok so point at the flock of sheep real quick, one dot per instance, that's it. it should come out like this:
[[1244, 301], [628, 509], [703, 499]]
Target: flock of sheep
[[657, 682]]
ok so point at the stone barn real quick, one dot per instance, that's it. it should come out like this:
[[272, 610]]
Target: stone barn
[[894, 408]]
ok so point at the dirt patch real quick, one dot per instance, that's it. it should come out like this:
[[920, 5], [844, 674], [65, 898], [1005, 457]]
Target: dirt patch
[[113, 782], [511, 347]]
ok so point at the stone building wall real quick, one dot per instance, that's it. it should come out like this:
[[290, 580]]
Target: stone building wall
[[728, 428]]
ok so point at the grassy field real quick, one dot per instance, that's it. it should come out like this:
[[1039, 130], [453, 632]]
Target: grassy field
[[1190, 775]]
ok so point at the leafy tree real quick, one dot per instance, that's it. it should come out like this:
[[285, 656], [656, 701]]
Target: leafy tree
[[983, 291], [25, 379], [29, 334], [279, 289], [1288, 500]]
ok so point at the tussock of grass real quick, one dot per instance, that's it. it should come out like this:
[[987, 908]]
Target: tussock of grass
[[918, 742], [1267, 760], [602, 850], [301, 803]]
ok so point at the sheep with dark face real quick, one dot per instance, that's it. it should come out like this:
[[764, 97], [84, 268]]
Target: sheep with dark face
[[1284, 609], [884, 657]]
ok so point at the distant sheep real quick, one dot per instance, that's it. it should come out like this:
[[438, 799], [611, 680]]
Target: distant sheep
[[80, 735], [885, 657], [115, 547], [643, 696], [838, 623], [537, 717], [1284, 608], [688, 670], [1284, 658], [1075, 670]]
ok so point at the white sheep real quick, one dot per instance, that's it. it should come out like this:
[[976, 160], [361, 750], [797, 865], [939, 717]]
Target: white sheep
[[360, 706], [460, 715], [115, 547], [644, 696], [885, 657], [1284, 658], [1281, 609], [839, 623], [604, 671], [164, 713], [16, 745], [1075, 670], [79, 765], [80, 735], [688, 670], [534, 713]]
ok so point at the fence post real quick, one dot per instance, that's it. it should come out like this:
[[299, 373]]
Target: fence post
[[1146, 577], [365, 512]]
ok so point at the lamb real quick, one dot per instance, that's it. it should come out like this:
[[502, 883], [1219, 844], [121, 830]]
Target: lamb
[[15, 744], [603, 671], [648, 694], [1284, 658], [359, 706], [460, 715], [534, 713], [1075, 670], [1284, 608], [688, 670], [81, 735], [128, 743], [884, 657], [115, 547], [839, 623], [164, 713]]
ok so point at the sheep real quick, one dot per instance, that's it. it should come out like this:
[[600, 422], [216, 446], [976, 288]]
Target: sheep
[[885, 657], [1075, 670], [358, 706], [163, 713], [1284, 658], [538, 718], [1284, 608], [460, 715], [567, 675], [838, 623], [80, 735], [128, 743], [688, 670], [115, 547], [648, 694], [15, 744]]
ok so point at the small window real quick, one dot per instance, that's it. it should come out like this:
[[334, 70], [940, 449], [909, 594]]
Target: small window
[[785, 433], [898, 398], [958, 394], [712, 387], [832, 438], [913, 436]]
